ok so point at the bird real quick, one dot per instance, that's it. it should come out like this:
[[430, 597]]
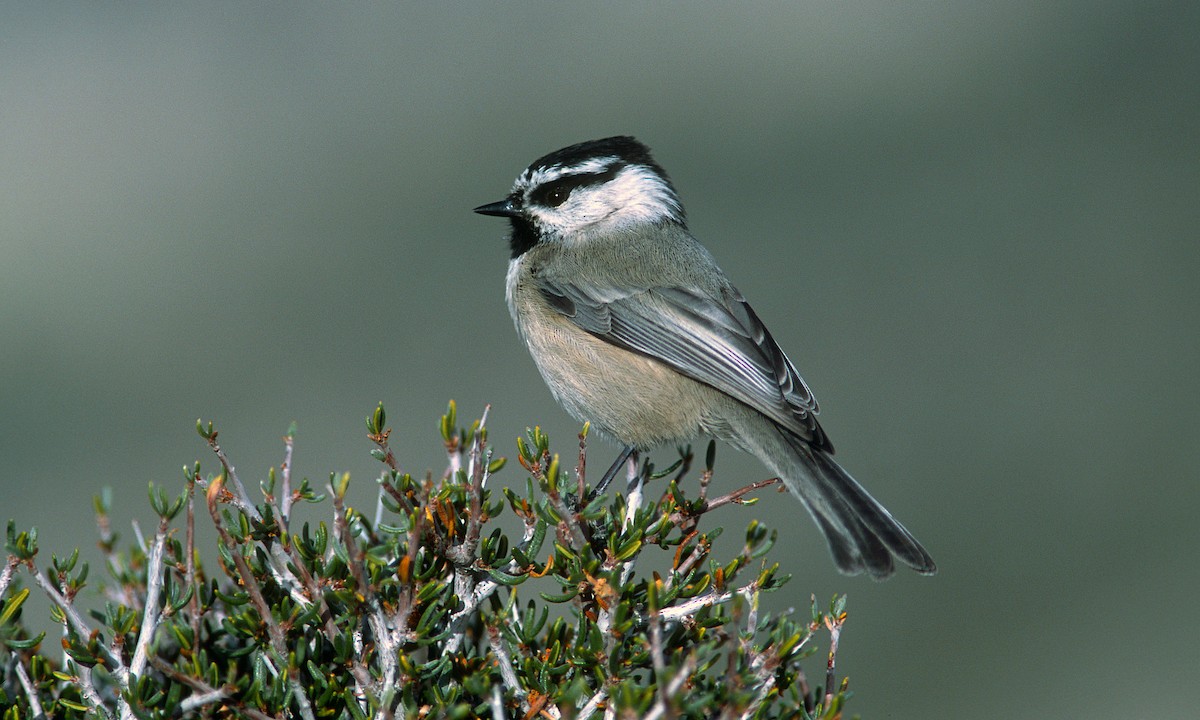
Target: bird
[[637, 331]]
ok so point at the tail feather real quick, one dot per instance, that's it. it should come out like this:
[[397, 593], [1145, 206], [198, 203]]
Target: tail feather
[[854, 549], [862, 534], [886, 535]]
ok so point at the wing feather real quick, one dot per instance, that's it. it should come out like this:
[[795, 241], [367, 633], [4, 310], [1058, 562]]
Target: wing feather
[[717, 341]]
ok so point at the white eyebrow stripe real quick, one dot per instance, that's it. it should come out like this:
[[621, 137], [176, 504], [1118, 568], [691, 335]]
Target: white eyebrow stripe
[[535, 177]]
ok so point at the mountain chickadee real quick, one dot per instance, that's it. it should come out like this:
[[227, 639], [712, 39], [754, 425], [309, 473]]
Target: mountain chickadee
[[636, 330]]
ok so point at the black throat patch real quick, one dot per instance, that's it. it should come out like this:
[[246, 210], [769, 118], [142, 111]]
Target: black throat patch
[[523, 238]]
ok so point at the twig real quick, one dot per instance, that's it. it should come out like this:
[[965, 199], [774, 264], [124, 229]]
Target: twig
[[35, 705], [190, 561], [497, 703], [835, 632], [581, 468], [463, 554], [386, 634], [381, 439], [282, 555], [569, 523], [150, 613], [274, 631], [141, 539], [242, 498], [805, 689], [593, 704], [345, 535], [404, 601], [705, 480], [673, 688], [6, 575], [664, 705], [204, 689], [508, 674], [279, 563], [692, 605], [698, 553], [736, 495], [483, 590], [88, 691], [766, 683], [752, 615], [197, 701], [78, 624], [285, 508], [633, 503], [362, 678], [379, 507], [122, 594], [401, 499], [760, 664]]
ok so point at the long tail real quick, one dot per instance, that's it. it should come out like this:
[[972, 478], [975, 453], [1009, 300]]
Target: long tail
[[862, 534]]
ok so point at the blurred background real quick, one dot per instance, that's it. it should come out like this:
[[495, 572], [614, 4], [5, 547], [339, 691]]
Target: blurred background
[[972, 226]]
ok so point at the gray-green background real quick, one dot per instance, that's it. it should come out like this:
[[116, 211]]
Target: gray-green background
[[972, 226]]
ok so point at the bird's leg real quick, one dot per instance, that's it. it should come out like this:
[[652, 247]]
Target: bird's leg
[[622, 459]]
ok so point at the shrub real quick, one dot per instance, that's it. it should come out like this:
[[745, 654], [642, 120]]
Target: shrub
[[426, 609]]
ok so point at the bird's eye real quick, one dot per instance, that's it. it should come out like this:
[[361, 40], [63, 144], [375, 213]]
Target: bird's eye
[[552, 195]]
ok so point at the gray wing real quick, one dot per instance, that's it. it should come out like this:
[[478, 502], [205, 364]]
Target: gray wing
[[719, 342]]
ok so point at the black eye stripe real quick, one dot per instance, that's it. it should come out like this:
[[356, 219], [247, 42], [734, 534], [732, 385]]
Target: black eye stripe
[[555, 192]]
